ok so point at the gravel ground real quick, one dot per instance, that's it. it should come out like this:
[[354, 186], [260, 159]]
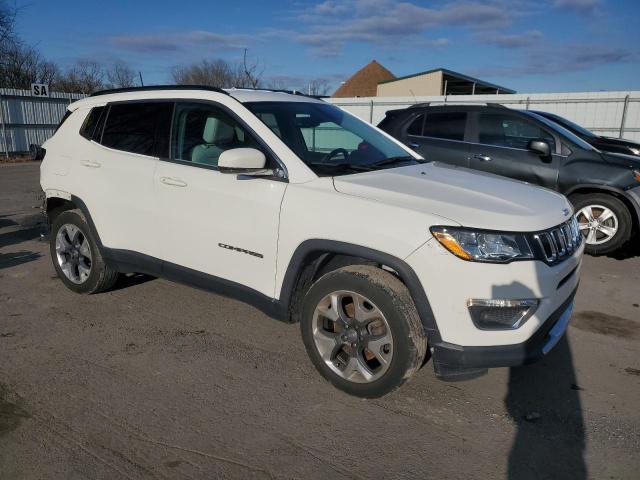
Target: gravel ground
[[157, 380]]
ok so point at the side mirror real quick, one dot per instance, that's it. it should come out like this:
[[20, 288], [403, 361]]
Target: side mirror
[[541, 147], [242, 160]]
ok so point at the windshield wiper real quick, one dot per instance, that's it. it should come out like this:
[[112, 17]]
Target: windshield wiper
[[393, 160], [343, 166]]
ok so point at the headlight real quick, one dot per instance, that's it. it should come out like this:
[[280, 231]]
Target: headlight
[[636, 174], [634, 150], [483, 246]]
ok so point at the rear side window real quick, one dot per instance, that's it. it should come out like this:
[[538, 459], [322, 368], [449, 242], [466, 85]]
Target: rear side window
[[88, 129], [445, 125], [138, 128]]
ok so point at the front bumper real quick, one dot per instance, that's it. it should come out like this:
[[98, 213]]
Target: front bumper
[[453, 362], [633, 195]]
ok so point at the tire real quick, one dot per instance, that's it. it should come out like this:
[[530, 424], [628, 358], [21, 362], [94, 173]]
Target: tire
[[611, 234], [370, 350], [76, 256]]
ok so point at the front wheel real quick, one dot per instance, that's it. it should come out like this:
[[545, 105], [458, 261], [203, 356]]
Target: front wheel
[[605, 222], [362, 331]]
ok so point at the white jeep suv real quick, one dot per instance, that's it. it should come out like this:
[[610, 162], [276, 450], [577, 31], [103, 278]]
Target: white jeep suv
[[313, 216]]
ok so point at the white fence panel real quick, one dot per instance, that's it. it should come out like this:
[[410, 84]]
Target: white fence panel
[[601, 112]]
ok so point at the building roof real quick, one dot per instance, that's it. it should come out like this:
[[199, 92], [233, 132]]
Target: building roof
[[453, 77], [364, 83]]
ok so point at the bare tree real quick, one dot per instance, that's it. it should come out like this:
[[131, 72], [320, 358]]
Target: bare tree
[[21, 65], [85, 76], [120, 75], [213, 73], [7, 23], [252, 74], [318, 87]]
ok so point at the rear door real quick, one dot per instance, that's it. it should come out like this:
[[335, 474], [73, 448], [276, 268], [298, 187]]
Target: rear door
[[440, 136], [499, 145], [115, 173]]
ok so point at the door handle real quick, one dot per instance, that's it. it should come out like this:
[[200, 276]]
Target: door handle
[[482, 157], [91, 163], [174, 182]]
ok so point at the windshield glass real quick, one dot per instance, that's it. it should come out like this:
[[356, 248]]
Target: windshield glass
[[563, 132], [328, 140], [574, 127]]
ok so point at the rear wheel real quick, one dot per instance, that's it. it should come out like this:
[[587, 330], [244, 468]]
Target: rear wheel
[[362, 331], [605, 222], [76, 257]]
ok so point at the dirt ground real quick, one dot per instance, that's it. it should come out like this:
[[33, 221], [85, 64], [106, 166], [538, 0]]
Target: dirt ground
[[158, 380]]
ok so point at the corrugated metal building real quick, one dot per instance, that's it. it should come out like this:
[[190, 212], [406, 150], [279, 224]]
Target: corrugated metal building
[[25, 119], [439, 81]]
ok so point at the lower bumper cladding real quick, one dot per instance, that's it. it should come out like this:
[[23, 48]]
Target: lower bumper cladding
[[455, 362]]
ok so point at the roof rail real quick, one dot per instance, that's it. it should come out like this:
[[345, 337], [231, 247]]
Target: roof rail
[[158, 87], [455, 104], [278, 90]]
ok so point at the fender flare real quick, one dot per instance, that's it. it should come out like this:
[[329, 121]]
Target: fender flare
[[631, 195], [404, 271]]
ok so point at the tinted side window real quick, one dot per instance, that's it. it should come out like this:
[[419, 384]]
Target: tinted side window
[[88, 128], [202, 132], [416, 126], [136, 127], [447, 125], [508, 131]]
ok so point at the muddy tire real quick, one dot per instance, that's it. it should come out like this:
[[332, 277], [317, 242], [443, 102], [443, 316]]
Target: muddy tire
[[362, 331], [76, 256]]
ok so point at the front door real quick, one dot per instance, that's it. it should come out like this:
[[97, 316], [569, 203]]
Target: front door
[[224, 225], [501, 148]]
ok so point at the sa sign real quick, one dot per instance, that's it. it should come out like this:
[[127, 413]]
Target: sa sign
[[39, 89]]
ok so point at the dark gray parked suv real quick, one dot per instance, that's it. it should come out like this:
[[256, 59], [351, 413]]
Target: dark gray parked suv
[[603, 187]]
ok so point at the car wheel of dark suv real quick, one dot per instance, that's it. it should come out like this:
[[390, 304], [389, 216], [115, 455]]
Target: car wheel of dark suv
[[605, 222]]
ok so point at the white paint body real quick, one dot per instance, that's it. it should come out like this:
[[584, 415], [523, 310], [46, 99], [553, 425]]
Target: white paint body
[[181, 214]]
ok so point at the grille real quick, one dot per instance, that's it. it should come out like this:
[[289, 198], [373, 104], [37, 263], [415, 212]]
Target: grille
[[559, 242]]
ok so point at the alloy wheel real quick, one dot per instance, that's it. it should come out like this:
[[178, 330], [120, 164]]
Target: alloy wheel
[[598, 224], [352, 336], [73, 253]]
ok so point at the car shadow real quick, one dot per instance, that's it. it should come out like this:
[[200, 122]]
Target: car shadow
[[131, 280], [19, 236], [13, 259], [630, 250], [544, 402]]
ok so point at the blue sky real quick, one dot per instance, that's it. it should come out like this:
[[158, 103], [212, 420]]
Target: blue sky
[[527, 45]]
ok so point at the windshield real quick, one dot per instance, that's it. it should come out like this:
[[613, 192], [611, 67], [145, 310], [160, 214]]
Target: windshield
[[568, 124], [329, 140], [563, 132]]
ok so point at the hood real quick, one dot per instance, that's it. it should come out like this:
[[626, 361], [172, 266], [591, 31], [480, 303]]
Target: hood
[[618, 141], [467, 197], [621, 159]]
